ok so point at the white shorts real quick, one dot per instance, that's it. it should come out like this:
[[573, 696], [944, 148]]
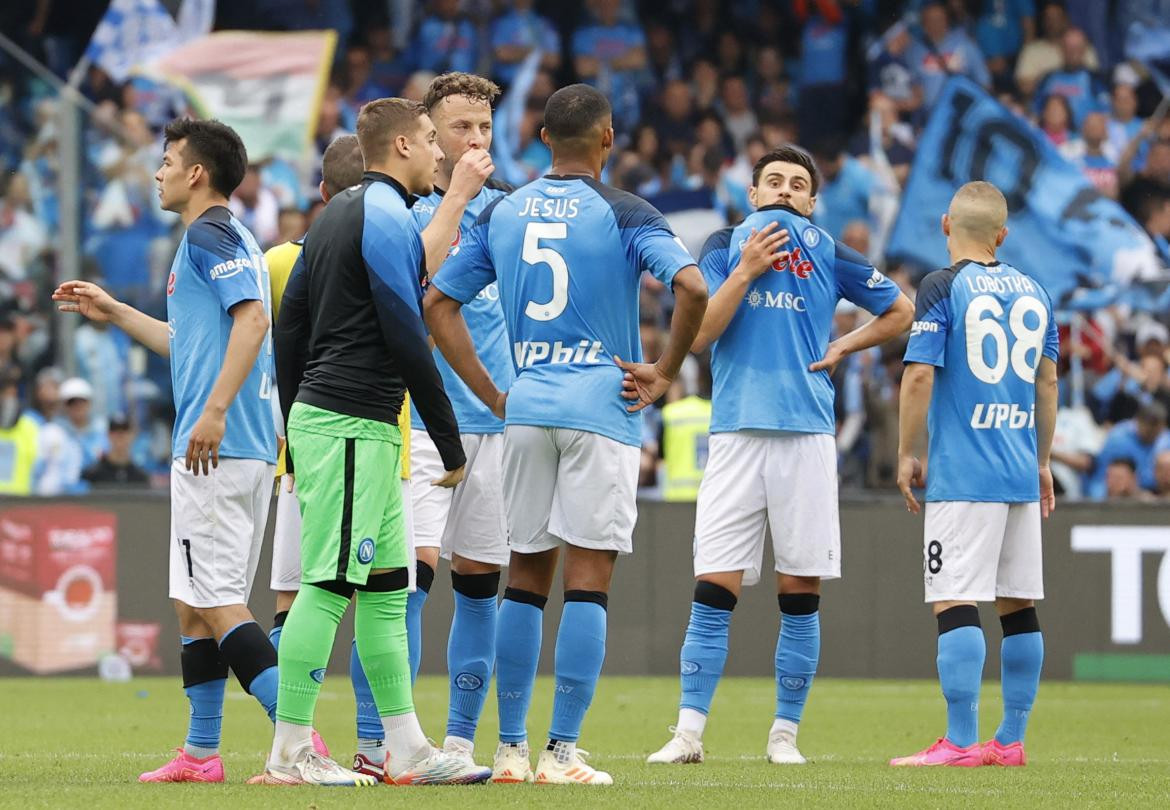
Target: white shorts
[[570, 485], [783, 481], [217, 530], [286, 538], [468, 519], [974, 552]]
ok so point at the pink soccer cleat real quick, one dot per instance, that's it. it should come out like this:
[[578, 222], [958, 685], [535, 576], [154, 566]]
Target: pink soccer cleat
[[1011, 755], [186, 768], [943, 752], [319, 745]]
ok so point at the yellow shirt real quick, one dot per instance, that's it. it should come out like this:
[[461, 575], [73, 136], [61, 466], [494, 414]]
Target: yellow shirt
[[18, 456], [280, 260]]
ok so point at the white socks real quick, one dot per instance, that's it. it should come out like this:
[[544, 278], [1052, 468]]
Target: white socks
[[691, 721], [785, 727], [406, 744], [290, 740]]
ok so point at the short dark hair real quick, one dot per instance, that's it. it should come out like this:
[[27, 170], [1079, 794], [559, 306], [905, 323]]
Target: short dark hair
[[381, 121], [574, 111], [215, 146], [789, 154], [341, 165], [476, 88], [1152, 413], [1125, 461]]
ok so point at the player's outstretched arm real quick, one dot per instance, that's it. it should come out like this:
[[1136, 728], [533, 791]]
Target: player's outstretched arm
[[1046, 406], [471, 172], [98, 305], [445, 320], [644, 383], [249, 328], [917, 385], [760, 252], [891, 323]]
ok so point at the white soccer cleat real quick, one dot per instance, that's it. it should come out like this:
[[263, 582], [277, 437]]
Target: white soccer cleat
[[567, 766], [438, 768], [782, 749], [512, 765], [685, 747], [310, 768]]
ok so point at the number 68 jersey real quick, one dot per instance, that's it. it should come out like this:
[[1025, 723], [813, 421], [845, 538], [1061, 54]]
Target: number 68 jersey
[[568, 254], [985, 328]]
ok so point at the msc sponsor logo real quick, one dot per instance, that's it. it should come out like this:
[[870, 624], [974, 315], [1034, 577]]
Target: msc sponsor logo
[[770, 300], [489, 293], [232, 267], [530, 352], [690, 667], [923, 327], [366, 550], [811, 237], [318, 675], [468, 681], [995, 415]]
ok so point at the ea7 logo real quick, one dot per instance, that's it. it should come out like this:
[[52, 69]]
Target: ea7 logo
[[802, 267]]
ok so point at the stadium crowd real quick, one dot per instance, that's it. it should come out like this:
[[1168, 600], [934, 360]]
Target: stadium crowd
[[700, 91]]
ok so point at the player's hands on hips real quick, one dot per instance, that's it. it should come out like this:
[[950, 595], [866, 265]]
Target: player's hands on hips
[[833, 355], [762, 250], [86, 298], [911, 473], [643, 383], [203, 446], [1047, 492], [450, 478], [470, 173], [500, 405]]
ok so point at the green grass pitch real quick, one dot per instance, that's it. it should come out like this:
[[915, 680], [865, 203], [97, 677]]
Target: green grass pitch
[[81, 743]]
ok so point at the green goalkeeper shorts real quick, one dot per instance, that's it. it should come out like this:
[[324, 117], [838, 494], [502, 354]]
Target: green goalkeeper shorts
[[347, 474]]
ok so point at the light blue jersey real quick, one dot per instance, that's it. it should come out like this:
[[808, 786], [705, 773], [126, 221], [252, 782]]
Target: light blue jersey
[[568, 253], [217, 266], [984, 327], [759, 365], [485, 321]]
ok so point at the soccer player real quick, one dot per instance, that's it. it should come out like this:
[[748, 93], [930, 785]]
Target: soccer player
[[567, 254], [465, 523], [341, 167], [772, 456], [351, 334], [981, 381], [224, 445]]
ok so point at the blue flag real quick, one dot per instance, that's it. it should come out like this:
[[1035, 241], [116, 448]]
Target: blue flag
[[132, 32], [1061, 230]]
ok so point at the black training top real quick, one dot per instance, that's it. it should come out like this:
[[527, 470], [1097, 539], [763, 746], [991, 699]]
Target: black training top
[[350, 336]]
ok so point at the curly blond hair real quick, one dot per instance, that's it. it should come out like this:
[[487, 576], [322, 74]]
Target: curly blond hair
[[476, 88]]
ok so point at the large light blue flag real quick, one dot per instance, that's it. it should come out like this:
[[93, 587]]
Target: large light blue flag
[[1062, 231]]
